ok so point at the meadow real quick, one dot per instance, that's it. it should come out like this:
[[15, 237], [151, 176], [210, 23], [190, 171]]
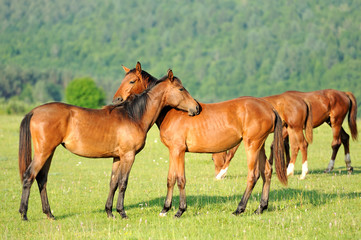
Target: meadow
[[323, 206]]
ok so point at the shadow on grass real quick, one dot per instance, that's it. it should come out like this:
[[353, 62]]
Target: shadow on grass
[[338, 170], [297, 196]]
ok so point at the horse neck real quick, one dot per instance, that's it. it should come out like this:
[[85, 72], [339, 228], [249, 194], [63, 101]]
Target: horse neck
[[154, 106]]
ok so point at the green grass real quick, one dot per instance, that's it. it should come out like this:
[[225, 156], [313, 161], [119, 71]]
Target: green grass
[[322, 206]]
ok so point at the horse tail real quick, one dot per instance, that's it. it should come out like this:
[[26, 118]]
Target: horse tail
[[352, 115], [279, 150], [309, 123], [25, 145]]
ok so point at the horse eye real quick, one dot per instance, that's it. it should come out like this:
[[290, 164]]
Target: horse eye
[[132, 82], [181, 89]]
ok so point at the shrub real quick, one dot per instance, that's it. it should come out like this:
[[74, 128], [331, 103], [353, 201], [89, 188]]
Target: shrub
[[85, 93]]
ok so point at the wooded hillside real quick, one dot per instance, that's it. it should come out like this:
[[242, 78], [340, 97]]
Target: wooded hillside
[[219, 50]]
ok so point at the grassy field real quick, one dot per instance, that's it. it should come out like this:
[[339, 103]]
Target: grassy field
[[323, 206]]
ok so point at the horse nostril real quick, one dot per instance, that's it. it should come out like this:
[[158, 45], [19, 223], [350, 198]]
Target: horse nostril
[[197, 109], [118, 100]]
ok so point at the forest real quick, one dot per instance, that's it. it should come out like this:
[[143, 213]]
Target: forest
[[220, 50]]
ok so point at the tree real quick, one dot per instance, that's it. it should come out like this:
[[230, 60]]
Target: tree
[[85, 93]]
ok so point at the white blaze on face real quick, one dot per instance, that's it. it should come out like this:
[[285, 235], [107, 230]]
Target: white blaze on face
[[304, 170], [290, 169], [348, 161], [222, 173]]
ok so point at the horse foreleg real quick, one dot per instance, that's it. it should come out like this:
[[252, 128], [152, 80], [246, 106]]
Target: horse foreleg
[[126, 164], [230, 154], [181, 182], [345, 139], [252, 177], [303, 148], [266, 174], [42, 179], [174, 157], [294, 142], [112, 186], [219, 159]]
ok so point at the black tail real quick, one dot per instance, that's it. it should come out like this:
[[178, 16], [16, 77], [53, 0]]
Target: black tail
[[352, 115], [279, 150], [25, 145]]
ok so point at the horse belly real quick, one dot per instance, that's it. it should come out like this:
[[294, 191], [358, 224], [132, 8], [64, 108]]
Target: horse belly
[[91, 149], [212, 142]]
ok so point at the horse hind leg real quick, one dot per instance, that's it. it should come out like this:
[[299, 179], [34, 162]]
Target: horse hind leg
[[345, 140], [252, 177], [30, 174], [266, 173], [42, 179], [336, 143]]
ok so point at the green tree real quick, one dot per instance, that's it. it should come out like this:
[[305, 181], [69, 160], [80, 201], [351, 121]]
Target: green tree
[[85, 93]]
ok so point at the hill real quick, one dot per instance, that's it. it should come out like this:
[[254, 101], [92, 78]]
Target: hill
[[220, 50]]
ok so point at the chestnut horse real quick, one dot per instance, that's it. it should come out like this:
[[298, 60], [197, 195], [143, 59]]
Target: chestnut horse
[[296, 115], [114, 131], [218, 127], [331, 106]]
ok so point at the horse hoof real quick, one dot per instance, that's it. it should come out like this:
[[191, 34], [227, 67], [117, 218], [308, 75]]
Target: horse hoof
[[327, 170], [258, 211], [24, 218], [349, 171], [302, 177], [237, 212], [162, 214], [179, 213]]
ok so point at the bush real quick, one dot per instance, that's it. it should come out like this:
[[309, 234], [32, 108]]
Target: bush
[[84, 92], [14, 106]]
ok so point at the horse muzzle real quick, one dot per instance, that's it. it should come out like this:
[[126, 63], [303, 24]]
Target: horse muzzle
[[194, 112], [117, 100]]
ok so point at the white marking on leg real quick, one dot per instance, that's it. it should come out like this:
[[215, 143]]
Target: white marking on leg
[[330, 165], [222, 174], [304, 170], [290, 169], [348, 161], [162, 214]]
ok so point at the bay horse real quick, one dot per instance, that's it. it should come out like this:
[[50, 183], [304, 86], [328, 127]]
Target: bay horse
[[331, 106], [296, 115], [114, 131], [218, 127]]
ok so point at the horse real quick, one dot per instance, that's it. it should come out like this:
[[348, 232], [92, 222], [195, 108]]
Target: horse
[[114, 131], [296, 115], [331, 106], [217, 128]]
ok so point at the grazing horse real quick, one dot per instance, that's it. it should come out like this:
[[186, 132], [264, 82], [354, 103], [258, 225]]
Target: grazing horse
[[218, 127], [114, 131], [296, 115], [331, 106]]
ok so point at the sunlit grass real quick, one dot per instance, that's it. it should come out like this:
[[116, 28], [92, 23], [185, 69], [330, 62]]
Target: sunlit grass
[[322, 206]]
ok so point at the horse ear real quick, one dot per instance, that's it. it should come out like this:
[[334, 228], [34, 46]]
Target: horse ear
[[138, 67], [126, 69], [170, 75]]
